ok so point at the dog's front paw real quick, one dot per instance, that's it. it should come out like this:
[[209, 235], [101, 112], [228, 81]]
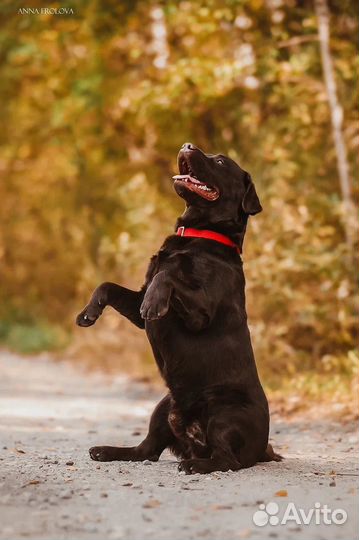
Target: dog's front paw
[[155, 305], [95, 307], [89, 315], [152, 311]]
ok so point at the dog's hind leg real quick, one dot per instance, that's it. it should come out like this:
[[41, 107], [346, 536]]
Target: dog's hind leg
[[270, 455], [220, 434], [237, 437], [123, 300], [159, 437]]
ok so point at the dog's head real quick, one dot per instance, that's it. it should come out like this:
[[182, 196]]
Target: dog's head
[[218, 193]]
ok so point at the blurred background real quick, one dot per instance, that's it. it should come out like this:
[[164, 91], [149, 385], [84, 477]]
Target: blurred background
[[95, 105]]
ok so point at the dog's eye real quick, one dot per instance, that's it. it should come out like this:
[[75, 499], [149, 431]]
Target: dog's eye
[[220, 161]]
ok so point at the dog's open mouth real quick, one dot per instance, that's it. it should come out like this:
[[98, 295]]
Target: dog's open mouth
[[190, 181]]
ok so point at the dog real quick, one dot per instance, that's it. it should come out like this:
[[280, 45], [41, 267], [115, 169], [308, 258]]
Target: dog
[[215, 416]]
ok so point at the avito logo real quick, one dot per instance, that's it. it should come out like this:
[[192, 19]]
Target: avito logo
[[319, 515]]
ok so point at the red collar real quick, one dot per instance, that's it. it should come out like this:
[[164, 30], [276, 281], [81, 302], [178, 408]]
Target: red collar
[[209, 235]]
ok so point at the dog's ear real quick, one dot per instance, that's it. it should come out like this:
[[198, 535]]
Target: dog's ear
[[250, 202]]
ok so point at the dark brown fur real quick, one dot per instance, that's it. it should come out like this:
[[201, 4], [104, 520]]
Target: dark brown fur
[[192, 306]]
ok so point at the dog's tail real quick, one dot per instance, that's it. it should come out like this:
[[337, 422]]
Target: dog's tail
[[270, 455]]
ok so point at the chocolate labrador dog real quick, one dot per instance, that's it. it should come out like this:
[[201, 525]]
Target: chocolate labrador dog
[[215, 416]]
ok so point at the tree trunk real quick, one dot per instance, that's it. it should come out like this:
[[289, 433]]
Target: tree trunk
[[336, 113], [159, 38]]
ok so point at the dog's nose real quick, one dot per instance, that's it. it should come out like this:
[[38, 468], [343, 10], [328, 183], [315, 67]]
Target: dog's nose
[[188, 146]]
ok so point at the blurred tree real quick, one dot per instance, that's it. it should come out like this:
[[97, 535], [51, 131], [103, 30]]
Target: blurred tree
[[95, 107], [336, 112]]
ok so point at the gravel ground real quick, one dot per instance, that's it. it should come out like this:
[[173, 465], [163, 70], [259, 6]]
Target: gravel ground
[[50, 414]]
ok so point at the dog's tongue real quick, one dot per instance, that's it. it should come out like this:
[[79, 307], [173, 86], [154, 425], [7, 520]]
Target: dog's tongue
[[187, 177]]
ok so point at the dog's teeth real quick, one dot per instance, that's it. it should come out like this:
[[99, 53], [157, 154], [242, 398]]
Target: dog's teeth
[[203, 187]]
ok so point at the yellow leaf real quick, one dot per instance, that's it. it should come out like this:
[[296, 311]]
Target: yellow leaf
[[281, 493], [152, 503]]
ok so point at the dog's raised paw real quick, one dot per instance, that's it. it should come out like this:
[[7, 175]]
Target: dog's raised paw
[[86, 318], [152, 311]]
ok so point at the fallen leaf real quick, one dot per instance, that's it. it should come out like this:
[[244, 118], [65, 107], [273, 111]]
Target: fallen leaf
[[152, 503], [281, 493], [245, 533], [222, 507], [32, 483]]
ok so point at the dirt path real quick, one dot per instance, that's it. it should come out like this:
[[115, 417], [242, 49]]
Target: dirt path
[[49, 489]]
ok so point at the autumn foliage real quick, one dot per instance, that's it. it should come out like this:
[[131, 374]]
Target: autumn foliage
[[94, 107]]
